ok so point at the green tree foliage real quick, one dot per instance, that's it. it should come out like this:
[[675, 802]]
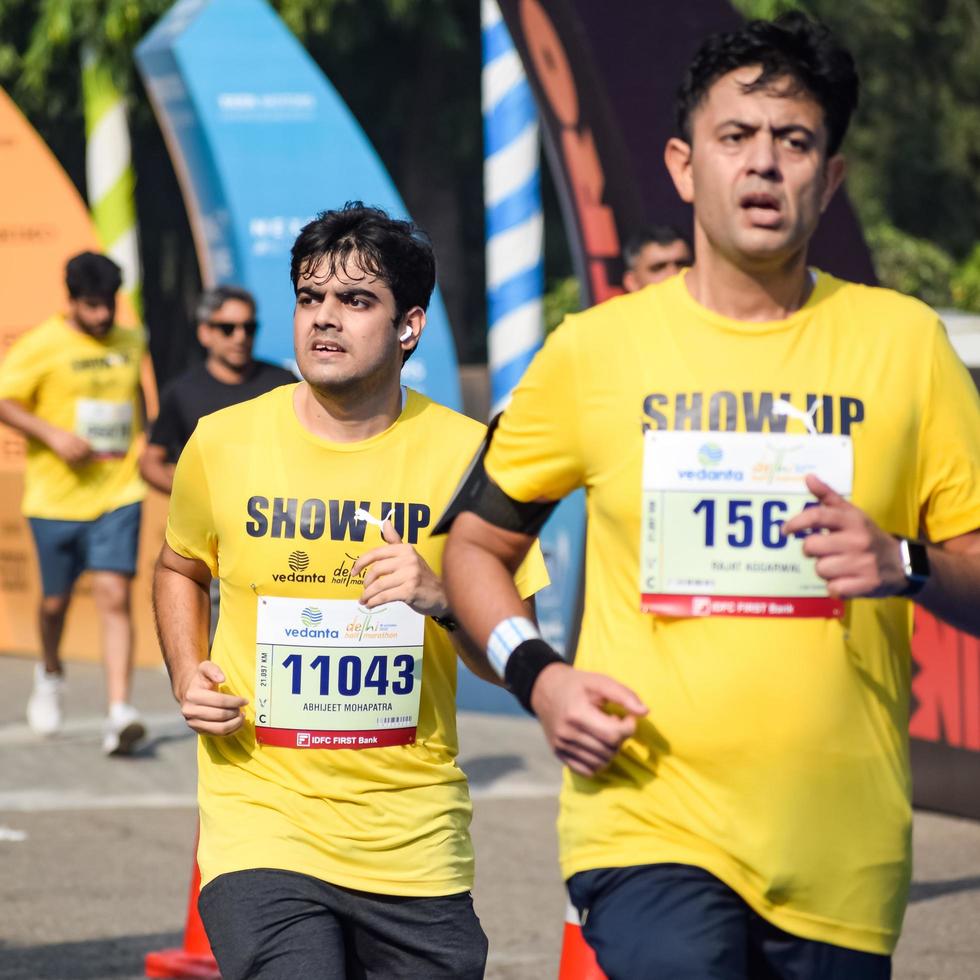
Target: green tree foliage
[[563, 296], [911, 265], [966, 282], [914, 145], [40, 40], [393, 62], [37, 35]]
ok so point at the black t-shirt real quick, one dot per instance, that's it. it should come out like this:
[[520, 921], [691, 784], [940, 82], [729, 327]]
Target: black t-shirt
[[197, 393]]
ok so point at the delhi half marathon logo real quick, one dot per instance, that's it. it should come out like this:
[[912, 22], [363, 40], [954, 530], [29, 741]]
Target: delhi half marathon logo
[[311, 616], [710, 454], [299, 561], [342, 573]]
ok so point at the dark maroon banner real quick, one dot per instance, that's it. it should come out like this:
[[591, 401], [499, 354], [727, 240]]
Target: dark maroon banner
[[604, 77]]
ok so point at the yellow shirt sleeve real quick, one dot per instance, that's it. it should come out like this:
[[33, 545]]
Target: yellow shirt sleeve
[[949, 460], [532, 576], [21, 372], [191, 531], [536, 451]]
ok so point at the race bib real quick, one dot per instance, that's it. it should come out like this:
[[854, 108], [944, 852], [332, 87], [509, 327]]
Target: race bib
[[106, 426], [713, 508], [332, 675]]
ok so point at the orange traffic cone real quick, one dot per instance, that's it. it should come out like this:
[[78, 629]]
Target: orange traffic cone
[[194, 960], [578, 962]]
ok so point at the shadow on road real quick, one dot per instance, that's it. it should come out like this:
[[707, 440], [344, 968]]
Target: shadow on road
[[94, 959], [482, 770], [148, 749], [923, 891]]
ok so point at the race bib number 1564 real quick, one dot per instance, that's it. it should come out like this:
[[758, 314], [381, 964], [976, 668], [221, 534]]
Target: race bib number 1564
[[713, 509]]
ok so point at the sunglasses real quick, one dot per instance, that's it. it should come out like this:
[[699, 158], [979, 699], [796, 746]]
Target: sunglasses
[[249, 326]]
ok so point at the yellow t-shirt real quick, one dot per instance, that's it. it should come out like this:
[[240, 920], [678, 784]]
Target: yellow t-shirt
[[391, 820], [89, 387], [775, 752]]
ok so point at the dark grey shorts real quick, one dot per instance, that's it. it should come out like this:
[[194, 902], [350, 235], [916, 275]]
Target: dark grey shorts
[[278, 925]]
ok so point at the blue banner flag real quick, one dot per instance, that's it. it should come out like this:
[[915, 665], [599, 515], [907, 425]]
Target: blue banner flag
[[261, 142]]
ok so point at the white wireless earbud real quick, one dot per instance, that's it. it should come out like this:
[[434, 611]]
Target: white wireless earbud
[[406, 335]]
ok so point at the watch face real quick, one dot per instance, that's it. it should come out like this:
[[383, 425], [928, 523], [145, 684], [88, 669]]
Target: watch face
[[916, 560]]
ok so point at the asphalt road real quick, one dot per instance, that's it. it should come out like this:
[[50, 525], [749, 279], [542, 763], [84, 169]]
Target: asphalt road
[[95, 853]]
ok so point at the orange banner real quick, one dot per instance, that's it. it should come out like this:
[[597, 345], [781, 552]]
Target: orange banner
[[43, 222]]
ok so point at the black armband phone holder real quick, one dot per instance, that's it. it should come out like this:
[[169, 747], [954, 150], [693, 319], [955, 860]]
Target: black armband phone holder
[[478, 494]]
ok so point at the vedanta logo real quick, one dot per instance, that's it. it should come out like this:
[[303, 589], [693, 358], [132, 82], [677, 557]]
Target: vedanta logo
[[310, 630], [710, 454], [735, 475], [311, 616], [299, 561]]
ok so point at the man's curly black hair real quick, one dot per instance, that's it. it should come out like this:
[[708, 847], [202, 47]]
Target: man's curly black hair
[[363, 242], [793, 48]]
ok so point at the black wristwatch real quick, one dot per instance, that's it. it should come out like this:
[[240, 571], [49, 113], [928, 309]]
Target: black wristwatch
[[915, 564], [446, 622]]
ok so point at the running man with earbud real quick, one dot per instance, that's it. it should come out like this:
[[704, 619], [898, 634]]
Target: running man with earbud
[[334, 819]]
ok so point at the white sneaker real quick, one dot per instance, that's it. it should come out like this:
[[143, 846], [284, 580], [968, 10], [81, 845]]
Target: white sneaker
[[122, 730], [44, 704]]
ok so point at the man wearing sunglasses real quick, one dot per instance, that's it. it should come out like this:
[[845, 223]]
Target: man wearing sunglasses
[[226, 327]]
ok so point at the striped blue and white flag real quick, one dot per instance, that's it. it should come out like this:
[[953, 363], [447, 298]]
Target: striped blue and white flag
[[515, 288], [512, 202]]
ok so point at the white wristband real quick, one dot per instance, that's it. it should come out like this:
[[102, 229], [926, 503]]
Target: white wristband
[[506, 637]]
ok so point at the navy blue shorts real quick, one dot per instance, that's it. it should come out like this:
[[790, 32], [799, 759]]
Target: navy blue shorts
[[676, 922], [65, 549]]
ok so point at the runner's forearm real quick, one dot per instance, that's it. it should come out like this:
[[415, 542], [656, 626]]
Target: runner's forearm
[[26, 422], [155, 469], [478, 552], [953, 590], [474, 658], [182, 610]]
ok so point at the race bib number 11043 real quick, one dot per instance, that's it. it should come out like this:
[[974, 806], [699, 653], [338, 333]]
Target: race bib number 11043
[[332, 675]]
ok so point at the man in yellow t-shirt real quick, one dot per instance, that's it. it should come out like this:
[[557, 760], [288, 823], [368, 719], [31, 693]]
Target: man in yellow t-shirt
[[71, 386], [334, 819], [774, 461]]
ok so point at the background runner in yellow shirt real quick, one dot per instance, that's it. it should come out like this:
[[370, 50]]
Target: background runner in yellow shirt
[[71, 386], [334, 819], [736, 798]]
